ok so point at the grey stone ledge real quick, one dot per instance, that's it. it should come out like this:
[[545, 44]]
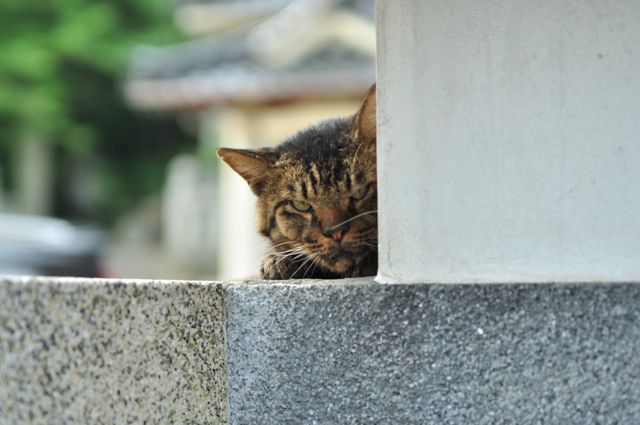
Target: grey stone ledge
[[332, 352], [76, 351]]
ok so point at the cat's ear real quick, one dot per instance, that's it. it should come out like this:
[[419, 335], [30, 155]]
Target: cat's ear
[[363, 127], [253, 166]]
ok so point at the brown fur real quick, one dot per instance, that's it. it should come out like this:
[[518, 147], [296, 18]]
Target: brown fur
[[326, 166]]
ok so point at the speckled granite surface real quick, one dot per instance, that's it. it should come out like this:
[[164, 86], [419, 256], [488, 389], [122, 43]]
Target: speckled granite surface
[[342, 352], [79, 352], [434, 354]]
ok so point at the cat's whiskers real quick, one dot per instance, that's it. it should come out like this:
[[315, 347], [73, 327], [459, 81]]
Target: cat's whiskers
[[364, 236], [311, 260], [369, 245], [315, 262], [293, 254], [277, 253], [286, 253], [280, 244], [301, 265], [355, 217]]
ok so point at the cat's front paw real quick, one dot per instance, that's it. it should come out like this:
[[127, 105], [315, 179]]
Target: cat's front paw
[[274, 267]]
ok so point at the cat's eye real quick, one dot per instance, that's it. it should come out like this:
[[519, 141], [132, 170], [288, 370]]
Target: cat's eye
[[360, 193], [301, 205]]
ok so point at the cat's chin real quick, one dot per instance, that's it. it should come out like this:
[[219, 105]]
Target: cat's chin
[[341, 261], [340, 266]]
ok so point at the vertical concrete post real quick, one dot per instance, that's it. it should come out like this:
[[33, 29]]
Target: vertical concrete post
[[34, 176], [243, 246], [509, 140]]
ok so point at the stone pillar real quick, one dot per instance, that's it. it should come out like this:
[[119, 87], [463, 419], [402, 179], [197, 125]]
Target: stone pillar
[[509, 147], [34, 173], [241, 247], [189, 214]]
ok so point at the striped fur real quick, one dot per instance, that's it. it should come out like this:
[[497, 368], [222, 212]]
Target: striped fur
[[332, 167]]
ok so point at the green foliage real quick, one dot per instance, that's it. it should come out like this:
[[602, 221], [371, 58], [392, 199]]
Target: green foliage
[[61, 64]]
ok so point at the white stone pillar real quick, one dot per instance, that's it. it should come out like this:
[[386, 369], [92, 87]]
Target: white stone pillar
[[509, 140], [241, 247], [34, 176]]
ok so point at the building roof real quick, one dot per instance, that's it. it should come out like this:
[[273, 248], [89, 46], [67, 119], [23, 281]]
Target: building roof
[[199, 17], [311, 48]]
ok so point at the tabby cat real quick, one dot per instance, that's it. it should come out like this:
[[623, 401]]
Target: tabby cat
[[317, 198]]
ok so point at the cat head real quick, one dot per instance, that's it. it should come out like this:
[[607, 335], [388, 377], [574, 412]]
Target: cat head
[[317, 190]]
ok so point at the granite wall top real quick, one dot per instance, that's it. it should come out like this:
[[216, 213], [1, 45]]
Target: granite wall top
[[333, 352], [434, 354], [110, 352]]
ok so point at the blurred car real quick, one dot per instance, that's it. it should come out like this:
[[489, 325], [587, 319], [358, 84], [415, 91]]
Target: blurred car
[[35, 245]]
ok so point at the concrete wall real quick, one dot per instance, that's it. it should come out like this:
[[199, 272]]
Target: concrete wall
[[509, 145], [331, 352], [356, 352], [76, 351]]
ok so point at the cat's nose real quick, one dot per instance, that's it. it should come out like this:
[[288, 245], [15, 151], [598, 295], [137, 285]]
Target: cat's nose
[[337, 232]]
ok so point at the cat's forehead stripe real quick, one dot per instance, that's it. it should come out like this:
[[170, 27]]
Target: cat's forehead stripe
[[314, 175], [309, 188], [303, 189]]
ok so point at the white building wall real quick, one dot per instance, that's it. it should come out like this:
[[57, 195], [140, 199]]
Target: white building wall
[[509, 140]]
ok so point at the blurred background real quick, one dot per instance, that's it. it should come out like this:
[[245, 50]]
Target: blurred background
[[111, 112]]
